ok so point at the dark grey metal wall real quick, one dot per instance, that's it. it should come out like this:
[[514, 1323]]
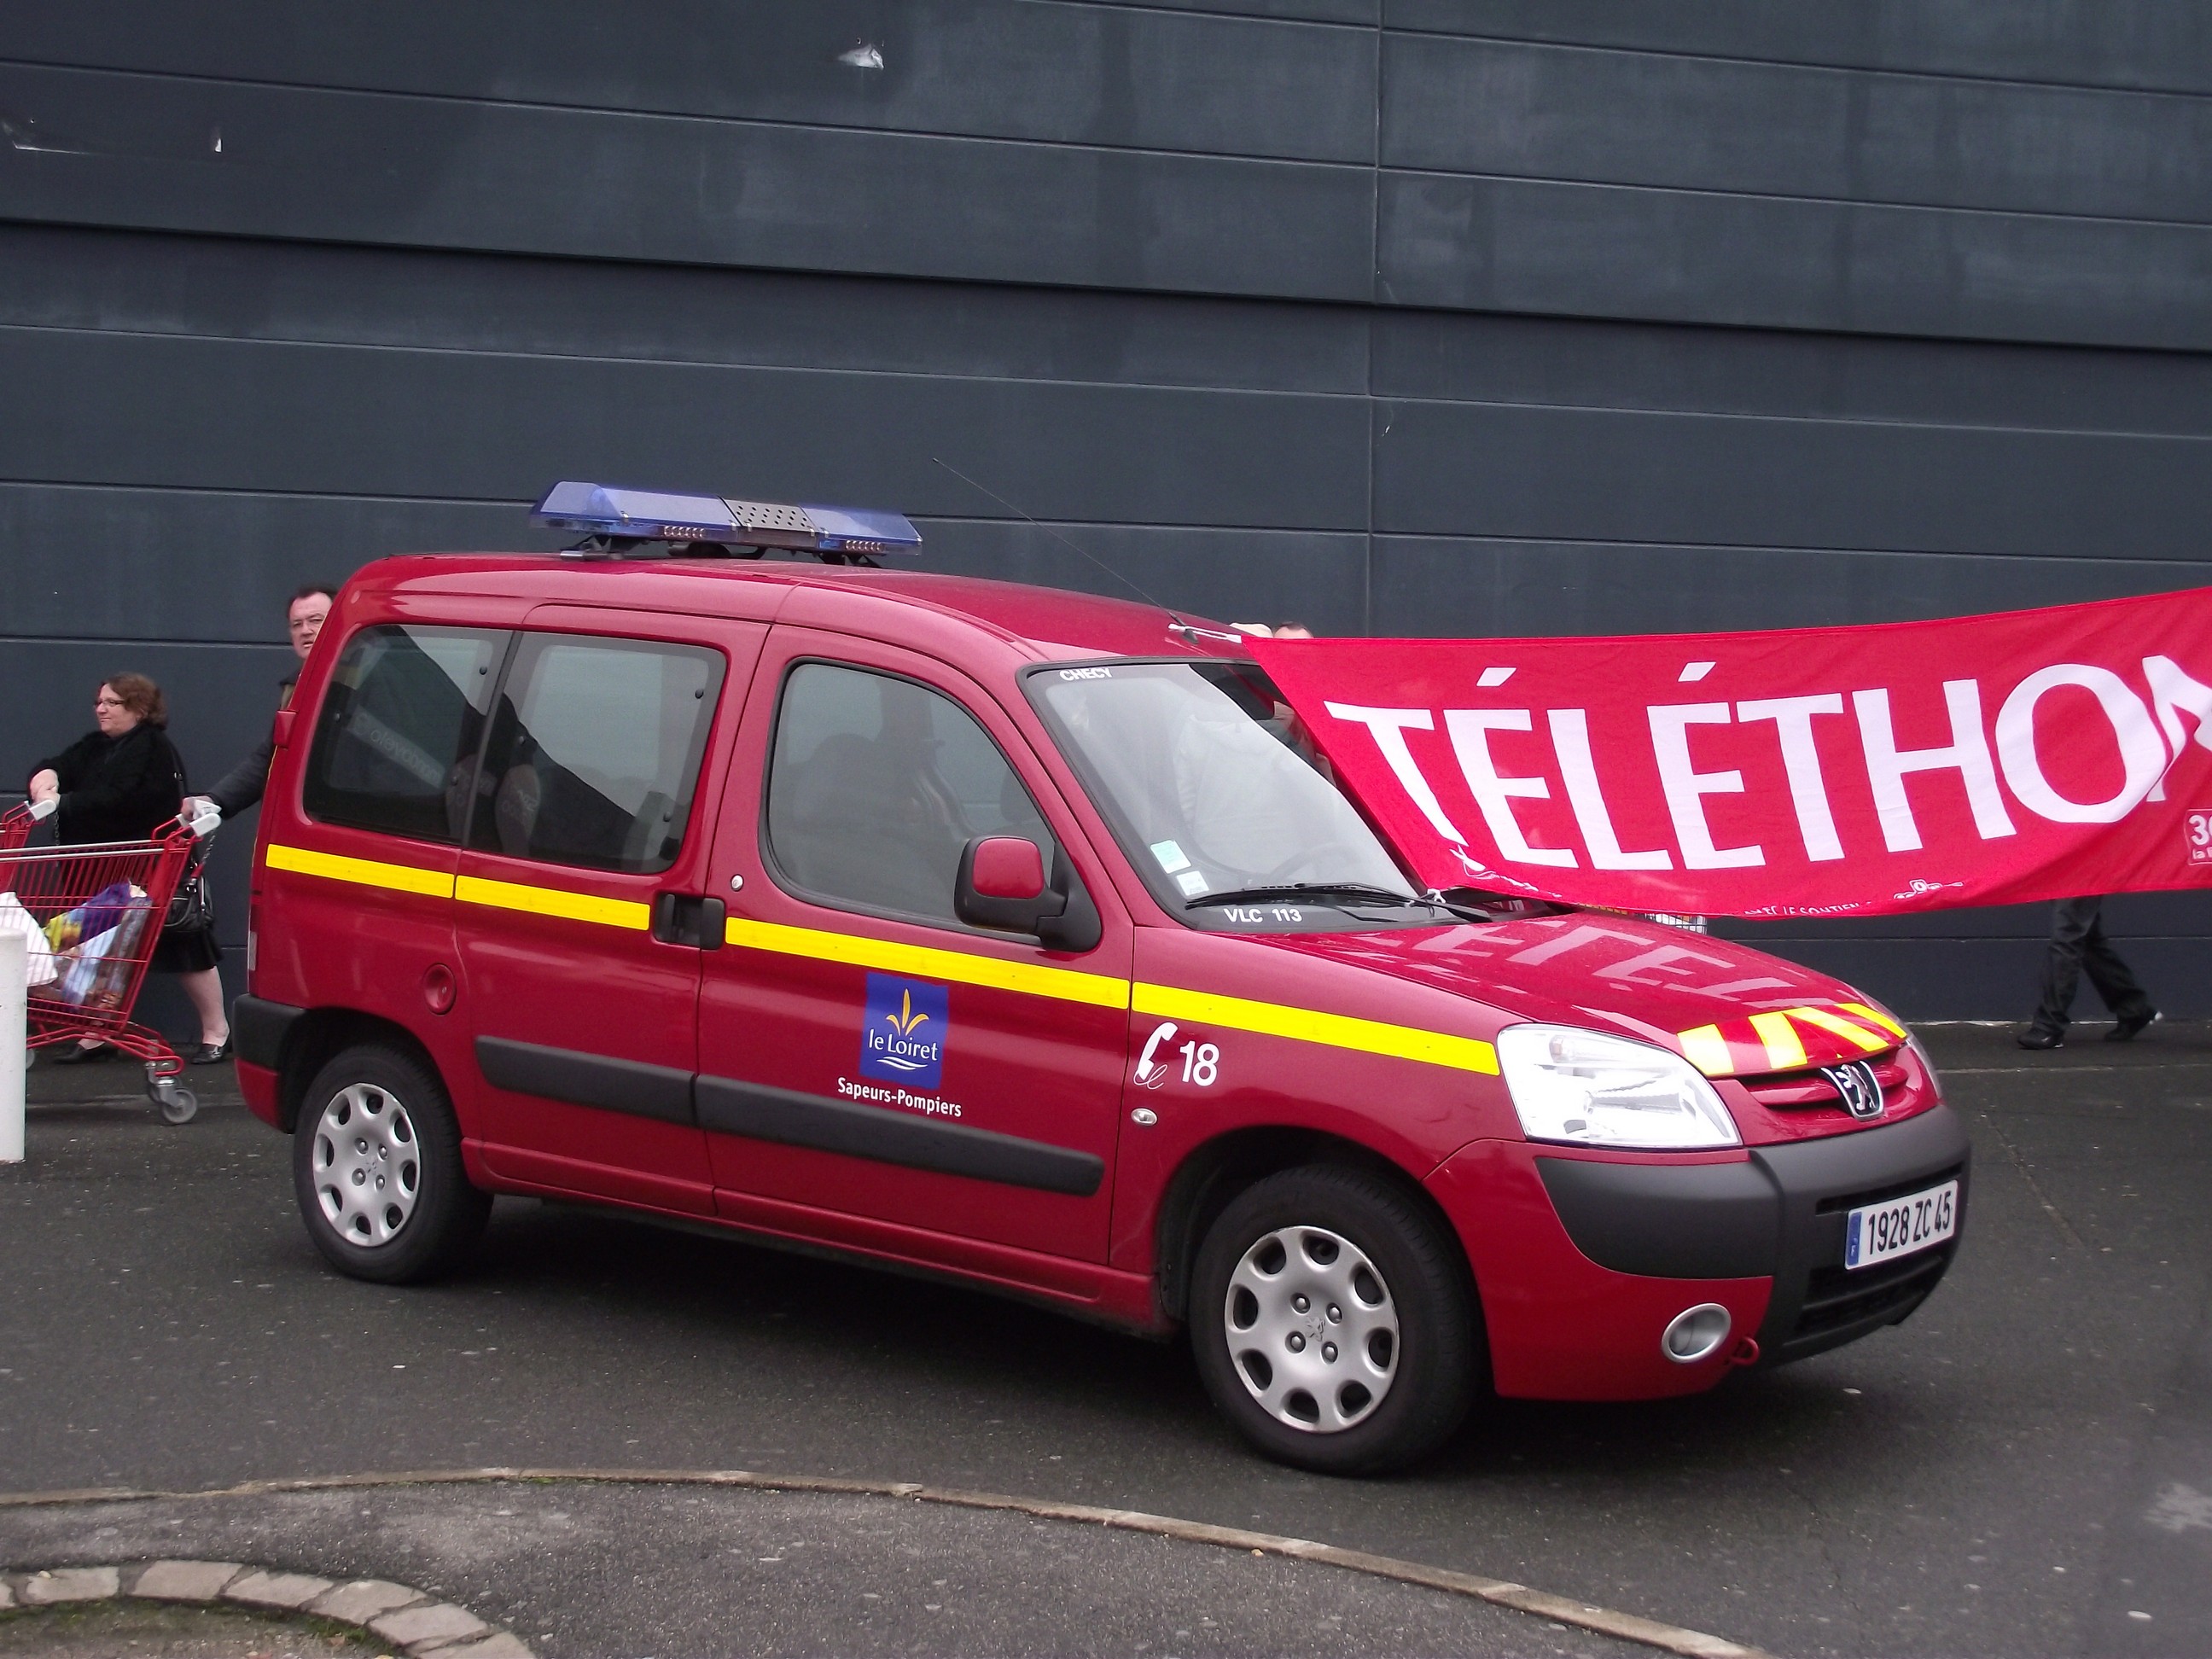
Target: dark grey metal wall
[[1399, 316]]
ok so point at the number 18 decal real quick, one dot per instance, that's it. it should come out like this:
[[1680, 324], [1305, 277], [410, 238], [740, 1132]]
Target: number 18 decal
[[1201, 1064], [1201, 1061]]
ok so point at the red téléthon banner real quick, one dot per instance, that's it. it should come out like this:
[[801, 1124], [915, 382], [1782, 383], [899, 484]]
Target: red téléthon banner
[[1803, 772]]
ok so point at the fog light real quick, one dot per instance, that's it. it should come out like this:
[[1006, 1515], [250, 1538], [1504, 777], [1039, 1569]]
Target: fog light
[[1695, 1333]]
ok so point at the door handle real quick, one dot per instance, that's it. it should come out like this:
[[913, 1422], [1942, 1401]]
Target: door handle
[[689, 919]]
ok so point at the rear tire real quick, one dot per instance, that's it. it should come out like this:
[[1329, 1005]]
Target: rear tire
[[376, 1167], [1334, 1321]]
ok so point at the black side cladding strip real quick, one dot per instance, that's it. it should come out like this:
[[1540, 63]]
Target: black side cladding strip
[[728, 1106], [258, 1030], [613, 1085]]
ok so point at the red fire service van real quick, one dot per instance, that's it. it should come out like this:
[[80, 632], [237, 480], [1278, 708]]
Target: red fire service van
[[1019, 937]]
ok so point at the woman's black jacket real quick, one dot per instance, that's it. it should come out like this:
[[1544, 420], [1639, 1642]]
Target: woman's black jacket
[[117, 788]]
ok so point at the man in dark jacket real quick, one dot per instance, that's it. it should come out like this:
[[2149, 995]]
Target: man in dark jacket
[[241, 787]]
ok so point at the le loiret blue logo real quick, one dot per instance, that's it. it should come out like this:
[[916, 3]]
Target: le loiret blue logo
[[903, 1031]]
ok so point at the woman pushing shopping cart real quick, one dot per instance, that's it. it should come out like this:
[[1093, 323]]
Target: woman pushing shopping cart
[[91, 916]]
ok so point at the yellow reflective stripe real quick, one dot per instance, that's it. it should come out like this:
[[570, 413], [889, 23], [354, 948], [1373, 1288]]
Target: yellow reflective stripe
[[1705, 1048], [886, 956], [470, 890], [362, 872], [1368, 1036], [1103, 991], [1785, 1051], [555, 901], [1877, 1017], [1843, 1028]]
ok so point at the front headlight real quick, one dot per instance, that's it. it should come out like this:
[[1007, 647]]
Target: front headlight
[[1593, 1090], [1927, 1065]]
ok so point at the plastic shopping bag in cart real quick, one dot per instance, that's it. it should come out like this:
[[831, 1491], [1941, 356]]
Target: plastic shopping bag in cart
[[14, 919], [97, 969], [92, 918]]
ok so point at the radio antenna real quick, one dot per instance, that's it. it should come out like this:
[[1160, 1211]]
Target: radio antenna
[[1064, 540]]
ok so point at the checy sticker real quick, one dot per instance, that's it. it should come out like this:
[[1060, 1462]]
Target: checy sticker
[[903, 1030]]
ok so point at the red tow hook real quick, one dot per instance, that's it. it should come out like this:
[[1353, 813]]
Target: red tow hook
[[1746, 1352]]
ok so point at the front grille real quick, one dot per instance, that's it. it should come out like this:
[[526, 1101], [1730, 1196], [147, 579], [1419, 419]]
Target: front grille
[[1796, 1091], [1839, 1296]]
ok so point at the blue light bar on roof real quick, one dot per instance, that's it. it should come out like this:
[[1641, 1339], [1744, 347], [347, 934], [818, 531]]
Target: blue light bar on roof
[[652, 516]]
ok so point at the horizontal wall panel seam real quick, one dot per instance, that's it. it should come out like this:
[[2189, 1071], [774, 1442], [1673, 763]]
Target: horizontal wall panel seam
[[521, 506], [1300, 395], [1934, 208], [1186, 454], [1786, 550], [147, 641], [1545, 112], [346, 168], [740, 365], [1810, 65], [1350, 25], [679, 117], [2150, 434]]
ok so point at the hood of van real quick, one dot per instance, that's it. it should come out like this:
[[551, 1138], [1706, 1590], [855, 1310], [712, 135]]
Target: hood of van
[[1728, 1009]]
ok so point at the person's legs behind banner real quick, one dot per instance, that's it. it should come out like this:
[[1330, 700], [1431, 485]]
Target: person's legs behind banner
[[2079, 943]]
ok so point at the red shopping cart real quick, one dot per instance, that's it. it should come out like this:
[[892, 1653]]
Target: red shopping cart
[[94, 916]]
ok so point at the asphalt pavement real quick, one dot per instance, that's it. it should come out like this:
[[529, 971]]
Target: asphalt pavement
[[2024, 1467]]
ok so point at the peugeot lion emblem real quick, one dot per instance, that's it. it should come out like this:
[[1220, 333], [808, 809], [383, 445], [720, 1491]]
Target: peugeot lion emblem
[[1860, 1089]]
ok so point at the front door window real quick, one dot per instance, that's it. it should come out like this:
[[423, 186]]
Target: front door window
[[876, 785]]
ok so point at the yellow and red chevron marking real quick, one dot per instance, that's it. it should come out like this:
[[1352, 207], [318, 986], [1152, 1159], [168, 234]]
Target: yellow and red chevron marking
[[1790, 1040]]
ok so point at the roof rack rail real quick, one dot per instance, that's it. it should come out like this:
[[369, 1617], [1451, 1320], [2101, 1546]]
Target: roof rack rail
[[620, 523]]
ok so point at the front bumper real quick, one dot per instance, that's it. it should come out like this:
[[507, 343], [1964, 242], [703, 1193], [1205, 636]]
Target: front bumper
[[1819, 1303], [1581, 1260], [1778, 1215]]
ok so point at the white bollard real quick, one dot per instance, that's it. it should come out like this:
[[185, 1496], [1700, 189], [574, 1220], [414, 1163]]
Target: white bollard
[[15, 981]]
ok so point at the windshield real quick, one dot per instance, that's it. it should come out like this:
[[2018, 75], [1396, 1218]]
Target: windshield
[[1220, 798]]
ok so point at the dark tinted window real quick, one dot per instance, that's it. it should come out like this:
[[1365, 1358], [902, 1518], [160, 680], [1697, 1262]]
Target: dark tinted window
[[397, 740], [876, 784], [594, 751]]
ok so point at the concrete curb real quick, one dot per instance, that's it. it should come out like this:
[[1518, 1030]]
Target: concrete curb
[[1566, 1610], [416, 1623]]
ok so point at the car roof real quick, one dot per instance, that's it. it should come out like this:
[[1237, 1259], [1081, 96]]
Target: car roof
[[1045, 623]]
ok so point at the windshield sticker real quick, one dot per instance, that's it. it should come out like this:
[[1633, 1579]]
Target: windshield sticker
[[1192, 882], [1170, 856], [903, 1030]]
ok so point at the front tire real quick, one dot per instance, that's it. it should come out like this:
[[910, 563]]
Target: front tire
[[376, 1167], [1334, 1323]]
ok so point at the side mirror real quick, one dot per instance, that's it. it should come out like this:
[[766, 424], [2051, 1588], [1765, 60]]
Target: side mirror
[[1002, 884]]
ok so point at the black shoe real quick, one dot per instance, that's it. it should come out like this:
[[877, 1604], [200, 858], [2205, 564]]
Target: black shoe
[[75, 1054], [210, 1053], [2034, 1037], [2131, 1026]]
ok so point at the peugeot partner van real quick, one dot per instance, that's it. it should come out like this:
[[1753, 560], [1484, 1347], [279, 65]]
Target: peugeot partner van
[[1020, 938]]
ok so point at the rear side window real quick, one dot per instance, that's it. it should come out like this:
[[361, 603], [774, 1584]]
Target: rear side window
[[875, 786], [397, 740], [594, 751]]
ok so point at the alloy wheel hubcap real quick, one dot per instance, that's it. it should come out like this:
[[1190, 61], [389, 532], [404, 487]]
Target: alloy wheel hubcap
[[368, 1165], [1311, 1329]]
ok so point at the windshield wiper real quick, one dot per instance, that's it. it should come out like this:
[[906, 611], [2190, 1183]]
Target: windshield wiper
[[1317, 892], [1435, 899]]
